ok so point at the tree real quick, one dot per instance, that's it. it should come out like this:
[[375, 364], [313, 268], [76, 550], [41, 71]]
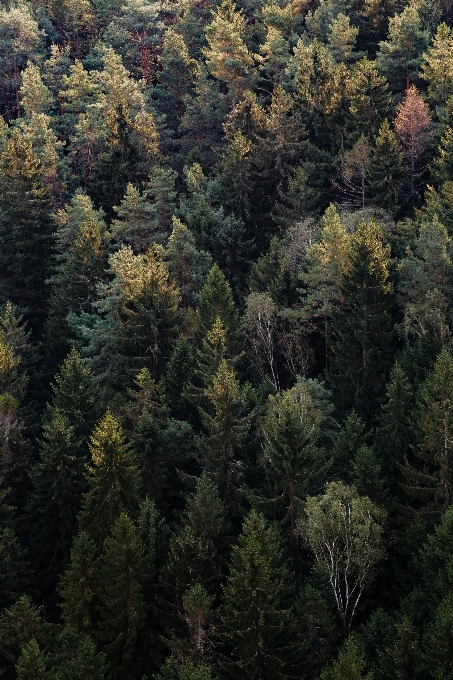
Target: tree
[[187, 266], [79, 586], [344, 532], [255, 620], [424, 288], [136, 321], [293, 457], [316, 77], [412, 125], [25, 238], [342, 38], [370, 101], [227, 57], [362, 325], [226, 420], [350, 663], [437, 67], [123, 608], [14, 569], [432, 484], [113, 479], [400, 55], [354, 173], [325, 263], [216, 300], [78, 268], [76, 657], [260, 321], [31, 663], [386, 176]]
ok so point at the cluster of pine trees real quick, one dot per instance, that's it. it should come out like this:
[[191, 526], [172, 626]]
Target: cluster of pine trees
[[226, 340]]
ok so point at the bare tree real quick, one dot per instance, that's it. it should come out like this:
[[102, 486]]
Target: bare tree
[[353, 172]]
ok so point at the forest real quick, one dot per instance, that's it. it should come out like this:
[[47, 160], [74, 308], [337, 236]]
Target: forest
[[226, 340]]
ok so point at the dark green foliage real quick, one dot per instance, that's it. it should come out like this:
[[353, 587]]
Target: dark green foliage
[[223, 293], [256, 623], [363, 329]]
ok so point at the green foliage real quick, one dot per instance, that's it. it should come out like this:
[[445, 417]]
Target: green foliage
[[256, 622]]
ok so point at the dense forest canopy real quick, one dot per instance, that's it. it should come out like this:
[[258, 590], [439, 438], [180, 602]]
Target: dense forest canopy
[[226, 351]]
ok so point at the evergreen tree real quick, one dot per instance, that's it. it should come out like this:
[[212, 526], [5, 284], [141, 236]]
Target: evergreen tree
[[437, 67], [32, 663], [123, 608], [216, 300], [362, 325], [25, 239], [76, 658], [79, 587], [400, 55], [187, 266], [432, 483], [293, 457], [256, 622], [370, 101], [113, 479], [385, 173], [350, 663]]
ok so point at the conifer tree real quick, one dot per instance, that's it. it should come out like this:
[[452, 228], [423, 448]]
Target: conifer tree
[[79, 587], [437, 67], [370, 101], [31, 663], [432, 484], [77, 657], [256, 622], [362, 325], [216, 300], [227, 57], [113, 479], [25, 238], [293, 457], [386, 176], [187, 266], [123, 608], [15, 573], [400, 55]]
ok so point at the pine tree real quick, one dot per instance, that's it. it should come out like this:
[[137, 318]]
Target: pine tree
[[386, 176], [437, 67], [227, 57], [400, 55], [113, 479], [15, 573], [76, 657], [80, 262], [350, 663], [395, 435], [195, 548], [256, 622], [123, 608], [226, 421], [425, 289], [362, 325], [412, 125]]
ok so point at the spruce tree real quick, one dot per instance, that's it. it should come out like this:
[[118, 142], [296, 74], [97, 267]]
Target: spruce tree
[[362, 325], [79, 587], [385, 172], [256, 623], [25, 230], [32, 663], [113, 479], [123, 608]]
